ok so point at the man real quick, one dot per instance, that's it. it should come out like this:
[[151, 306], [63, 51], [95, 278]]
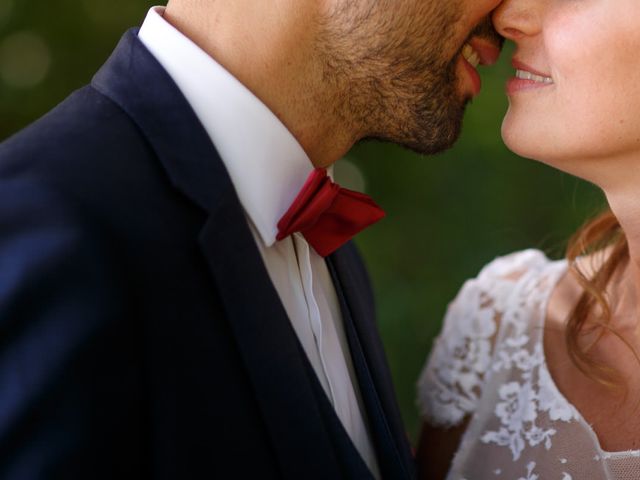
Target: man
[[164, 313]]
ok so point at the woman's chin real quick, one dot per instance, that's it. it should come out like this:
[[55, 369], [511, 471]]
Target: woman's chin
[[520, 143], [543, 148], [526, 141]]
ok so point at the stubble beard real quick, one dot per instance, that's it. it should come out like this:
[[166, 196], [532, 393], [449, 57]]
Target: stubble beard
[[394, 80]]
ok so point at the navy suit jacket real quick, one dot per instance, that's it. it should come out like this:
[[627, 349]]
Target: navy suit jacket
[[140, 335]]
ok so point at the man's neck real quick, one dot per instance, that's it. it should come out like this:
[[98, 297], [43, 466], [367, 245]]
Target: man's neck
[[271, 51]]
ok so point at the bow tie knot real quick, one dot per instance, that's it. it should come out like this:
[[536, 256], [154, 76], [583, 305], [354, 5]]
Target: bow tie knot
[[328, 215]]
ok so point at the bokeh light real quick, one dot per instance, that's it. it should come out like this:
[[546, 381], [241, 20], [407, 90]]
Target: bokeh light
[[349, 175], [24, 59], [6, 8]]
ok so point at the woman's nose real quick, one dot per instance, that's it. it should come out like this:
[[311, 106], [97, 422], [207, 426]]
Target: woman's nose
[[515, 19]]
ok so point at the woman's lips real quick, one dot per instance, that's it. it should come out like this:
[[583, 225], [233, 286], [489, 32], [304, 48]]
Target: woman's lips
[[527, 78], [520, 65], [515, 85]]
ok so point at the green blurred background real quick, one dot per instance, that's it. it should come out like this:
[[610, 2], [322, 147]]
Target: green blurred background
[[447, 215]]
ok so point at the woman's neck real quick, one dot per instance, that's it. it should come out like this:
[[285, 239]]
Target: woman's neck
[[625, 204]]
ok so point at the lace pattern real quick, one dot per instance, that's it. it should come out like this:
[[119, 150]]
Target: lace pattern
[[488, 366], [451, 384]]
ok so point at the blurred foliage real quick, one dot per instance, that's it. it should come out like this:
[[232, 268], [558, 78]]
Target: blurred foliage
[[447, 215]]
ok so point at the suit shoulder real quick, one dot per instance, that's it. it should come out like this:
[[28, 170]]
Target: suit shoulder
[[90, 154], [85, 129]]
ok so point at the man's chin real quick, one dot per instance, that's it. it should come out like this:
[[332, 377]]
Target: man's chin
[[439, 136], [428, 134], [438, 140], [432, 147]]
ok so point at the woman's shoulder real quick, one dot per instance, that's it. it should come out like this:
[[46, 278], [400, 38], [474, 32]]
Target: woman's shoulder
[[496, 284], [513, 267], [451, 383]]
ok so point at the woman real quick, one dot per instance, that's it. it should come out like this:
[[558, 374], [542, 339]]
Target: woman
[[536, 374]]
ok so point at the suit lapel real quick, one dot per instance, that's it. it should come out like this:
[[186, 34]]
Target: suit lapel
[[275, 362], [272, 354], [367, 353]]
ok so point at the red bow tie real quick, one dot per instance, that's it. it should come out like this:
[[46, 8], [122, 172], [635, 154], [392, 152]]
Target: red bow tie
[[327, 215]]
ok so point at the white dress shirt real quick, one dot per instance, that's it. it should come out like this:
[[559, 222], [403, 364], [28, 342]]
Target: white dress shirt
[[268, 167]]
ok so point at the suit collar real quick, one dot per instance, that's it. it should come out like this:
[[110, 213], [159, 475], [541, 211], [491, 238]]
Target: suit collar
[[135, 81]]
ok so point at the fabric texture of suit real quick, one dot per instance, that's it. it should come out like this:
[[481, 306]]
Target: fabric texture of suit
[[140, 335]]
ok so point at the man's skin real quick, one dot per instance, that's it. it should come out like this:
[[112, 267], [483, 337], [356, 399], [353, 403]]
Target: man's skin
[[339, 71]]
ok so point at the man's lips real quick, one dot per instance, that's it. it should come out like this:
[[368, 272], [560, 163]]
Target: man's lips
[[481, 51], [488, 51], [474, 77]]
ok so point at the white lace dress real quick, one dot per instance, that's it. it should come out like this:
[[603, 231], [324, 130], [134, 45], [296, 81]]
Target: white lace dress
[[488, 365]]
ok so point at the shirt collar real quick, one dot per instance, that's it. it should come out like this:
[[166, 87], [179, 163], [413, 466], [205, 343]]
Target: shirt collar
[[267, 165]]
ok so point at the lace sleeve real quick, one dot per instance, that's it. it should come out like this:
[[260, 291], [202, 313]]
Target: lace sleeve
[[450, 385]]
